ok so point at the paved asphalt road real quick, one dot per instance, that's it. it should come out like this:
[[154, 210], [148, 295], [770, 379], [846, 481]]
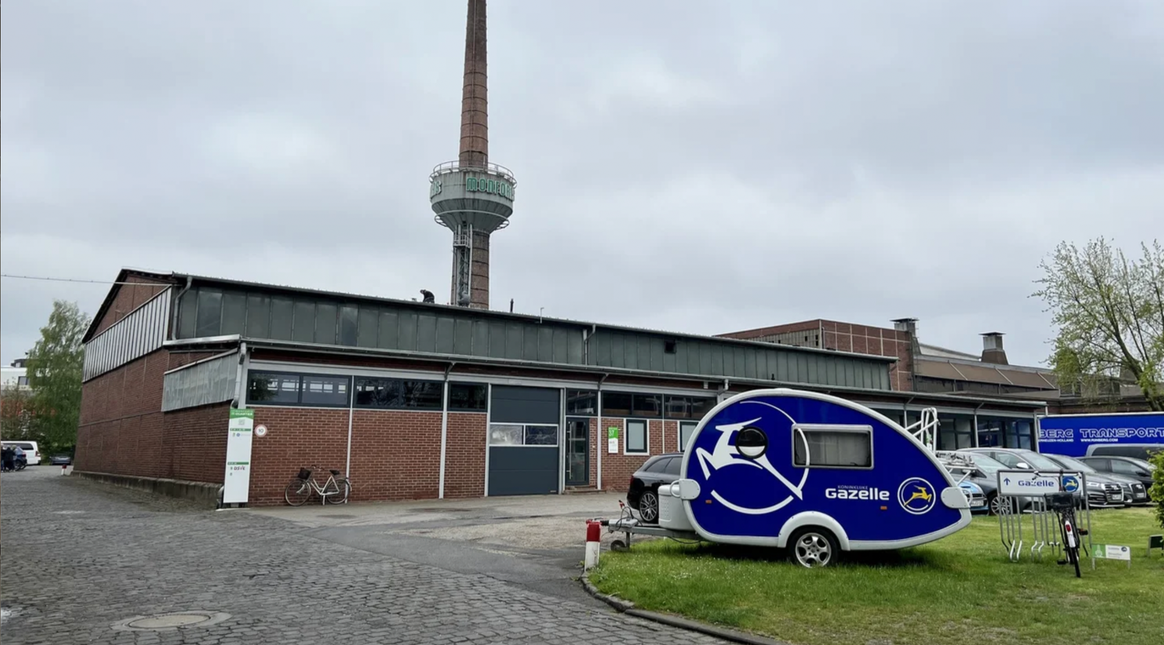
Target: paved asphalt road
[[79, 557]]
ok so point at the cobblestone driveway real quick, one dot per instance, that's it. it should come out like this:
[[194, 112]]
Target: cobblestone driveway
[[79, 557]]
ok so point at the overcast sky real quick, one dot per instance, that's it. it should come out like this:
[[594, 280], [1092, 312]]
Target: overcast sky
[[692, 166]]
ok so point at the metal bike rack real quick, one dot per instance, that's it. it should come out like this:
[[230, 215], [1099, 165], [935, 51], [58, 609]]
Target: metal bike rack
[[1044, 531]]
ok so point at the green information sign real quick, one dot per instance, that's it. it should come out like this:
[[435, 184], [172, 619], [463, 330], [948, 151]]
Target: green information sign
[[612, 433]]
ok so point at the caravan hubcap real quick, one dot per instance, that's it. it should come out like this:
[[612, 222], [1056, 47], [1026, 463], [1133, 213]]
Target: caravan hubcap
[[813, 550]]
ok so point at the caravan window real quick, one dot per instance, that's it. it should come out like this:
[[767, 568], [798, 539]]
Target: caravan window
[[833, 447]]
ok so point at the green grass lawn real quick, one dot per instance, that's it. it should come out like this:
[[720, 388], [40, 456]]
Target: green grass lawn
[[961, 589]]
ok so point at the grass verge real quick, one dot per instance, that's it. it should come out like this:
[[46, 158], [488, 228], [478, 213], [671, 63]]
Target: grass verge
[[959, 590]]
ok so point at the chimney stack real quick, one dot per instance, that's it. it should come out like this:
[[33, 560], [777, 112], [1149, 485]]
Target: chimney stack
[[992, 351], [908, 325]]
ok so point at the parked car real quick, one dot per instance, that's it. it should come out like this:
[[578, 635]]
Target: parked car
[[643, 492], [30, 448], [1134, 490], [1101, 491], [61, 460], [977, 469], [1127, 466], [1138, 450]]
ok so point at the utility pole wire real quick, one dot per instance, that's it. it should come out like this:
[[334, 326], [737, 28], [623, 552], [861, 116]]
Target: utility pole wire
[[33, 277]]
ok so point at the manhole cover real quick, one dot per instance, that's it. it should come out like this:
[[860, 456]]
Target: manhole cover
[[172, 621]]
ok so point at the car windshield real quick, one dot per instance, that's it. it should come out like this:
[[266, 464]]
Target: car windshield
[[988, 464], [1075, 464], [1038, 461]]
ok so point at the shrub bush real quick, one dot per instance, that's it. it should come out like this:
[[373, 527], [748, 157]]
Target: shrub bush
[[1157, 490]]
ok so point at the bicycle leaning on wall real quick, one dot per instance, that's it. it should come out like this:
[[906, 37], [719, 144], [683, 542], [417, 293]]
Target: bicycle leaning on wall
[[335, 490]]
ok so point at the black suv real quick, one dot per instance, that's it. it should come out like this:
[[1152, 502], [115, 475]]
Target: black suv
[[643, 492], [1126, 466]]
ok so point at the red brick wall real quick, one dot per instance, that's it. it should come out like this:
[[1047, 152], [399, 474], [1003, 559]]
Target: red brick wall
[[395, 454], [128, 298], [618, 468], [296, 437], [196, 438], [846, 337], [465, 455], [122, 429]]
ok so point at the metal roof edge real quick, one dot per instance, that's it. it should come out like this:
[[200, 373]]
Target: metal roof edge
[[597, 371], [581, 324]]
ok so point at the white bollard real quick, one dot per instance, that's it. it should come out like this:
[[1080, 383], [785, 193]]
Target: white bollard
[[593, 543]]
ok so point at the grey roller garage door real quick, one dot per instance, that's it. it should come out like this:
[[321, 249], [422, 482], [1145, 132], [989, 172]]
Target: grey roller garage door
[[525, 423]]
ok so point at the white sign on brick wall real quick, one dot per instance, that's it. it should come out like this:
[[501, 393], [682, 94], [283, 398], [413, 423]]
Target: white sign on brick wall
[[237, 482]]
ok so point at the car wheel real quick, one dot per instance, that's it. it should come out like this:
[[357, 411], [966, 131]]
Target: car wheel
[[814, 547], [649, 506], [994, 505]]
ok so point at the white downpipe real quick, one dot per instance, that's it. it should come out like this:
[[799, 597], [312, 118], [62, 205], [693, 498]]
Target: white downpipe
[[600, 439], [444, 432], [351, 413]]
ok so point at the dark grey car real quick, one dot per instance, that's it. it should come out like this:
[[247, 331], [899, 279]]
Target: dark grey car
[[1101, 491], [643, 492], [1134, 490], [1126, 466]]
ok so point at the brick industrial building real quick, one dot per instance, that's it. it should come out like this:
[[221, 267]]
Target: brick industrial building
[[426, 400], [419, 400]]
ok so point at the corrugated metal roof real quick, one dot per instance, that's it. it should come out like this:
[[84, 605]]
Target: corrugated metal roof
[[527, 317]]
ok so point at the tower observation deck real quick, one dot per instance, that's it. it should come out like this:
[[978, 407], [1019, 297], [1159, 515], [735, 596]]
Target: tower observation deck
[[471, 196]]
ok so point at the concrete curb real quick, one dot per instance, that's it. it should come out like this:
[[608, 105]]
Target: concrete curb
[[627, 607]]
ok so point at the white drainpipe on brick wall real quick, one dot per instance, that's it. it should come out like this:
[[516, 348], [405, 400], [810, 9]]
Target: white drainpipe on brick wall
[[445, 431], [601, 438], [351, 414]]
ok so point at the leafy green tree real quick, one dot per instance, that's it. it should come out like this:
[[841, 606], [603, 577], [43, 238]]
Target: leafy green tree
[[54, 375], [1109, 312]]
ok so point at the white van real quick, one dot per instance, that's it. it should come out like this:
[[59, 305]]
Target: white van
[[31, 450]]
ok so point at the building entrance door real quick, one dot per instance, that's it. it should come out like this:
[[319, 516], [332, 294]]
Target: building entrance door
[[577, 452]]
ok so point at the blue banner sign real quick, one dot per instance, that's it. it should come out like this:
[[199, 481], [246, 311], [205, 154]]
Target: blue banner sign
[[1071, 434]]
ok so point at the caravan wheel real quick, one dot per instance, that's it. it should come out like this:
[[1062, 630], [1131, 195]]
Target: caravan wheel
[[814, 547]]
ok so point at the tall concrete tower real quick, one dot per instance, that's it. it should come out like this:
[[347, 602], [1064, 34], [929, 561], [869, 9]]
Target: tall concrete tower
[[471, 196]]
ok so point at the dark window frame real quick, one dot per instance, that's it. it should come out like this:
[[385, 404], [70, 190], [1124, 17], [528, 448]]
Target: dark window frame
[[626, 448], [299, 376], [439, 405], [797, 442], [454, 404]]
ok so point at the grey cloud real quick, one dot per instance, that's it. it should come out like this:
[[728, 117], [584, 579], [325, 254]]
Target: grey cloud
[[681, 165]]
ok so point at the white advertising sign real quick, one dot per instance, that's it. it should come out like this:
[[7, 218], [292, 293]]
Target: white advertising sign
[[237, 483], [1026, 484], [1113, 552]]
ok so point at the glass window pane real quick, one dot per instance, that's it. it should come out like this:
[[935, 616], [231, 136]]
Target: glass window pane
[[636, 436], [541, 435], [504, 434], [834, 449], [673, 466], [686, 429], [616, 404], [304, 323], [282, 313], [258, 316], [678, 407], [268, 387], [471, 397], [325, 390], [989, 432], [369, 327], [209, 313], [325, 323], [581, 402], [659, 465], [188, 315], [701, 406], [348, 325], [400, 394], [647, 405], [234, 313]]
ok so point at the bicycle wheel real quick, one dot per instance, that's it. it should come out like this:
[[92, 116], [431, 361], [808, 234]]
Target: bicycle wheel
[[340, 497], [297, 492]]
